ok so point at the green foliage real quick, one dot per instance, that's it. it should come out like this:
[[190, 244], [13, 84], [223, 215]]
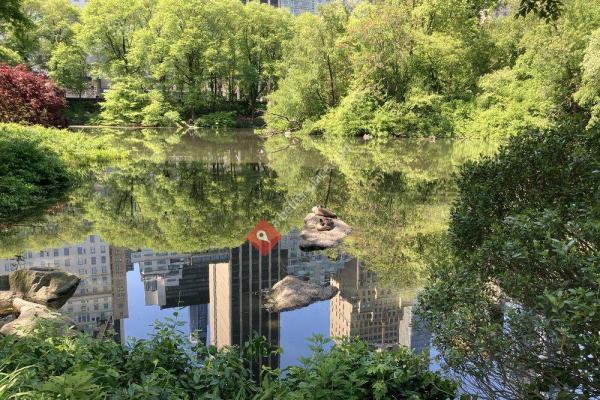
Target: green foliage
[[68, 68], [31, 177], [166, 366], [216, 120], [588, 94], [514, 301], [82, 112], [158, 112], [38, 166], [125, 101], [351, 370]]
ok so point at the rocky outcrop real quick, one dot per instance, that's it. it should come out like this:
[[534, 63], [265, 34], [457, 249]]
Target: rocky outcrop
[[34, 295], [291, 293], [312, 239], [29, 315], [45, 286]]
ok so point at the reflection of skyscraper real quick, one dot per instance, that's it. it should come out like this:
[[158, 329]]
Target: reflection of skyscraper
[[236, 296], [378, 314], [199, 323], [101, 297], [176, 280], [313, 266]]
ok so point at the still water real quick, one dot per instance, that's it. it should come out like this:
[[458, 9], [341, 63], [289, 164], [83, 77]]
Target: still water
[[161, 233]]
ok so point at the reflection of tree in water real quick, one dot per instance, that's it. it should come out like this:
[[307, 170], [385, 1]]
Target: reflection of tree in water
[[183, 206], [396, 198]]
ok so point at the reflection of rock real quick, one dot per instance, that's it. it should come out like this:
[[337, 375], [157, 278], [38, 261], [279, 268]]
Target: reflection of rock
[[34, 295], [291, 293], [313, 239], [30, 314], [45, 286]]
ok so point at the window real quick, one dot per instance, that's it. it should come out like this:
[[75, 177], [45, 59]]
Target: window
[[7, 268], [81, 271], [105, 280], [94, 270], [104, 269], [103, 259], [148, 262], [93, 262], [42, 253], [102, 249], [56, 253], [66, 251], [92, 239], [105, 306], [92, 250]]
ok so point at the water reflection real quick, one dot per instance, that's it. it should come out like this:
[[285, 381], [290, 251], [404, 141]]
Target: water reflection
[[223, 290], [164, 230]]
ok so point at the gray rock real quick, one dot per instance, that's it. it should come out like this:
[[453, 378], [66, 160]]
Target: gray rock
[[31, 314], [291, 293], [45, 286], [311, 239]]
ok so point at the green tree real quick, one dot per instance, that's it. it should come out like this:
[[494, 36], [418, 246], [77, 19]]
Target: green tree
[[315, 68], [68, 68], [52, 22], [107, 31], [588, 94], [514, 303]]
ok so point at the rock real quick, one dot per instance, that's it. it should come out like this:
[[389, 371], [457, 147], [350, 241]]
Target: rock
[[312, 239], [291, 293], [45, 286], [30, 314]]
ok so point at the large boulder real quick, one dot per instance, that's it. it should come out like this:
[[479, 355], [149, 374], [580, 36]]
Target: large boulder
[[29, 315], [312, 239], [291, 293], [46, 286]]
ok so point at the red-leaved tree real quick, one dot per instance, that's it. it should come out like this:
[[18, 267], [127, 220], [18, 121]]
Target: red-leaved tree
[[29, 97]]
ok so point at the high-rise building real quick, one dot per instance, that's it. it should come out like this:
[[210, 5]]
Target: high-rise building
[[298, 7], [375, 312], [237, 288]]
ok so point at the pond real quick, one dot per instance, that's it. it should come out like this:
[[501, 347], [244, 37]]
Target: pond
[[162, 234]]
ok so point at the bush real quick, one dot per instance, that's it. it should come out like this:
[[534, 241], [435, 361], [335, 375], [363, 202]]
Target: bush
[[515, 304], [124, 103], [216, 120], [167, 367], [29, 97], [38, 166], [31, 177]]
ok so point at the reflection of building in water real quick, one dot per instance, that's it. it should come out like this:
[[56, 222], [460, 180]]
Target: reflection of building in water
[[313, 266], [174, 279], [236, 296], [378, 314], [199, 323], [102, 294]]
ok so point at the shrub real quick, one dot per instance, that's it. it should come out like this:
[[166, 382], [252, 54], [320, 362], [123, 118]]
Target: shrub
[[31, 177], [216, 120], [514, 304], [167, 367], [29, 97]]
